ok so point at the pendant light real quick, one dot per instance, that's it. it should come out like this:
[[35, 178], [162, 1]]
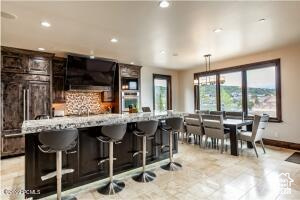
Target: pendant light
[[207, 67]]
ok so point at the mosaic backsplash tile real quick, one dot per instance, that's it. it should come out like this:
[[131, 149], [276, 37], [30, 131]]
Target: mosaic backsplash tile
[[76, 100]]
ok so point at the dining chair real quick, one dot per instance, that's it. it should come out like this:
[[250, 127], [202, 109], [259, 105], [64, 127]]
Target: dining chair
[[202, 112], [260, 124], [217, 113], [235, 115], [193, 124], [214, 128], [146, 109]]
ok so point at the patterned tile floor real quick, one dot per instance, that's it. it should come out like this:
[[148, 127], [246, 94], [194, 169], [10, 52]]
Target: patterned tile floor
[[206, 174]]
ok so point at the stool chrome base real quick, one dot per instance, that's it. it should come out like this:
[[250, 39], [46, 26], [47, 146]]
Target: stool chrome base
[[172, 166], [68, 197], [112, 187], [144, 177]]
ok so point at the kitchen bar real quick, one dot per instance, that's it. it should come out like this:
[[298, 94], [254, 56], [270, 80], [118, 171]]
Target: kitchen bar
[[84, 157]]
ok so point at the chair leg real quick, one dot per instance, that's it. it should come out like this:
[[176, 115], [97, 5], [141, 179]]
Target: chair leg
[[205, 142], [200, 140], [222, 144], [254, 147], [263, 146]]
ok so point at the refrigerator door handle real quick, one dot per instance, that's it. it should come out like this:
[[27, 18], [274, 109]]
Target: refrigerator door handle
[[28, 105], [24, 104]]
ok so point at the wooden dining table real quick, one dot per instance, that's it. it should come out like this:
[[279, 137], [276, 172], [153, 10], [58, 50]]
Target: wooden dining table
[[234, 125]]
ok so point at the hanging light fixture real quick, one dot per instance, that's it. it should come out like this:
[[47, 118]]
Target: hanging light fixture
[[207, 67]]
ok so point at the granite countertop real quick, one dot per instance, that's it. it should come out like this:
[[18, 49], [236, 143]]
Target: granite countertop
[[58, 123]]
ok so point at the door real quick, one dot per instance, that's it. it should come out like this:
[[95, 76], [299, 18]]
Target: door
[[162, 92], [38, 98]]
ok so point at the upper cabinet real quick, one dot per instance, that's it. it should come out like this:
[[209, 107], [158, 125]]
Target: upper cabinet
[[25, 61], [58, 79], [127, 70]]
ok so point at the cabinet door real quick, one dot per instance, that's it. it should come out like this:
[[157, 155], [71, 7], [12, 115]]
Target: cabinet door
[[38, 98], [39, 65], [13, 62], [58, 88], [12, 145], [12, 92]]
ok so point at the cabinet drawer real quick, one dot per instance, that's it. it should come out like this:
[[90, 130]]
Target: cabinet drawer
[[38, 65]]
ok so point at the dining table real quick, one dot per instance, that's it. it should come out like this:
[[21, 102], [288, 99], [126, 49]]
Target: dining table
[[233, 125]]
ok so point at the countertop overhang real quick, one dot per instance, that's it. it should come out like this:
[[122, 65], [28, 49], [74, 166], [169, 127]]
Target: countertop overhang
[[59, 123]]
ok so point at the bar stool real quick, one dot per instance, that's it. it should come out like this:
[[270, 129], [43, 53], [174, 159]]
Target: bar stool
[[173, 125], [145, 129], [112, 134], [56, 141]]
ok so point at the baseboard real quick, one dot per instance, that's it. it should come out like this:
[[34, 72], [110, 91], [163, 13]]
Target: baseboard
[[277, 143]]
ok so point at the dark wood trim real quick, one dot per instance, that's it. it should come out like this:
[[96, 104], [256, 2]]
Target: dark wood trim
[[218, 92], [243, 69], [27, 52], [169, 88], [282, 144]]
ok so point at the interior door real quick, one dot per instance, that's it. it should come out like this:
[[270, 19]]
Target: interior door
[[162, 92], [38, 98]]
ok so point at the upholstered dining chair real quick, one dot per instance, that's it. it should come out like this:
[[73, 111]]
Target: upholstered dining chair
[[260, 124], [193, 124], [146, 109], [235, 115], [214, 128], [217, 113]]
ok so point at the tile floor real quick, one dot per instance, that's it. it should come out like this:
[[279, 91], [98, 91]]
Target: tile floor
[[206, 174]]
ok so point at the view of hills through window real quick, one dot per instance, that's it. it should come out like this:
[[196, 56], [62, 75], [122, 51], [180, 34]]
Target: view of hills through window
[[161, 94], [261, 91]]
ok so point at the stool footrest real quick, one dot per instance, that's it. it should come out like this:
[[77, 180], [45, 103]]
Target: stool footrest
[[104, 160], [163, 146], [138, 152], [53, 174]]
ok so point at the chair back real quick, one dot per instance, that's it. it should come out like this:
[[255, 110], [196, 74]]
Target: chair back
[[58, 140], [176, 123], [193, 124], [235, 115], [202, 112], [147, 127], [146, 109], [116, 131], [213, 125], [260, 124], [217, 113]]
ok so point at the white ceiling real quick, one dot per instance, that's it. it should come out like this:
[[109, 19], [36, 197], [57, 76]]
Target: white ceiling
[[144, 29]]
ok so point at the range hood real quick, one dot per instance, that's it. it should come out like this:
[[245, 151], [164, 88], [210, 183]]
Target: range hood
[[88, 74]]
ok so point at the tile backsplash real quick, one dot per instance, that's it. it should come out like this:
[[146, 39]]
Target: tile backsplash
[[75, 100]]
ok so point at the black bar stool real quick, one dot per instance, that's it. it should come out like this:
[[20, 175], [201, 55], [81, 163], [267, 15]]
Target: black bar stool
[[56, 141], [145, 129], [173, 126], [112, 134]]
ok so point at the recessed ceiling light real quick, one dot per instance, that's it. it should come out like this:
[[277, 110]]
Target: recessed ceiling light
[[262, 20], [162, 52], [41, 49], [8, 15], [132, 63], [45, 24], [114, 40], [164, 4], [218, 30], [92, 57]]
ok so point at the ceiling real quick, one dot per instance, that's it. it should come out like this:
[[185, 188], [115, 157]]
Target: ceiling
[[144, 30]]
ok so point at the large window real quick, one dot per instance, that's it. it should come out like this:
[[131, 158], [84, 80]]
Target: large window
[[162, 97], [253, 88]]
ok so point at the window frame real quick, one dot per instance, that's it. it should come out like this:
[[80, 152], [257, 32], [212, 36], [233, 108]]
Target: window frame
[[168, 78], [243, 69]]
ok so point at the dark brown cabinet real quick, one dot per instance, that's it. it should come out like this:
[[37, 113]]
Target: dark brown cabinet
[[25, 93], [127, 70], [58, 77]]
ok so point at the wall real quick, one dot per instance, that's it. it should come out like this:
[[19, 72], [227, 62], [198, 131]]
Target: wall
[[289, 129], [147, 85]]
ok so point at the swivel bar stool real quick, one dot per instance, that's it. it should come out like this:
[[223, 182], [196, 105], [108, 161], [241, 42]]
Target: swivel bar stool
[[57, 141], [145, 129], [173, 125], [112, 134]]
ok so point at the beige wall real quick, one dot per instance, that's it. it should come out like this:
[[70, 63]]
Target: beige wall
[[289, 130], [147, 85]]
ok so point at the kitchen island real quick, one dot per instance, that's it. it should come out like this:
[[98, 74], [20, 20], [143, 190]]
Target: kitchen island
[[84, 157]]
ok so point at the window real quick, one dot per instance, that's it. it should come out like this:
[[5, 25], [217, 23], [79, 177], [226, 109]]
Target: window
[[231, 91], [208, 93], [252, 88], [261, 91], [162, 92]]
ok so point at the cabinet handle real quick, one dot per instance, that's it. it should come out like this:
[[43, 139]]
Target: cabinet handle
[[24, 104], [28, 104], [13, 135]]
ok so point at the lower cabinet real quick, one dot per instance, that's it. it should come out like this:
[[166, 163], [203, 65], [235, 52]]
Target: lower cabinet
[[12, 145]]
